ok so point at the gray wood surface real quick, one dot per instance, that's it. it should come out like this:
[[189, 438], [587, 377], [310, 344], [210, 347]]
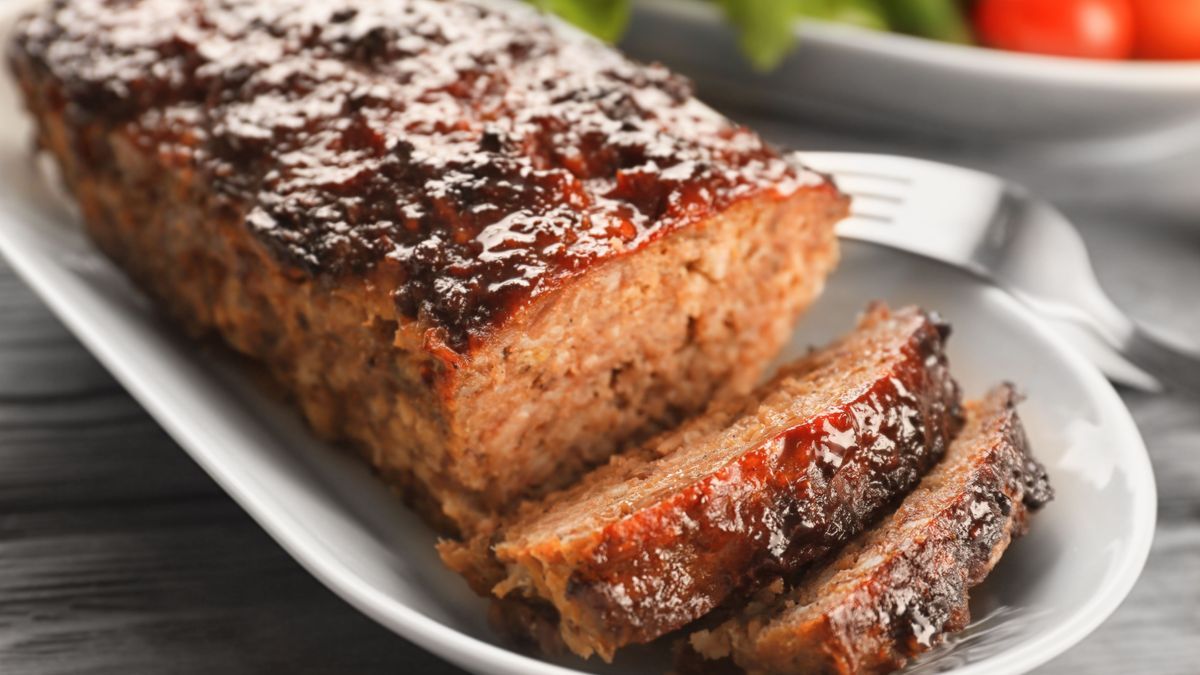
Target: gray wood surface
[[119, 555]]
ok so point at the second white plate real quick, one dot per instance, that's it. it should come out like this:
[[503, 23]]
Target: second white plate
[[893, 79]]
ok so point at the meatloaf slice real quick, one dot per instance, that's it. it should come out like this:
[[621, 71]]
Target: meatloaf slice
[[479, 246], [664, 534], [902, 586]]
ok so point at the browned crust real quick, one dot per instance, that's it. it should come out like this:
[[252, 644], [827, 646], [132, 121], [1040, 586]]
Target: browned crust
[[476, 155], [794, 491], [905, 585]]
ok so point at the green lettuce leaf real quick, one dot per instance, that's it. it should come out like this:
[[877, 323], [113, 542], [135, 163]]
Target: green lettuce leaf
[[765, 28], [606, 19]]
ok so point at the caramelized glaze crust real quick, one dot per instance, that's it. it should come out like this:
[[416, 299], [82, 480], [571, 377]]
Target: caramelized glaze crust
[[479, 154], [483, 249], [902, 587]]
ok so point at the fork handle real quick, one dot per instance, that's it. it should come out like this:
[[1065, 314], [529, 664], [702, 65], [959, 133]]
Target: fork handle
[[1176, 367], [1088, 308]]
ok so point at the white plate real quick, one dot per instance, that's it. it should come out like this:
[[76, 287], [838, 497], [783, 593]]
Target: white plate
[[887, 77], [1083, 555]]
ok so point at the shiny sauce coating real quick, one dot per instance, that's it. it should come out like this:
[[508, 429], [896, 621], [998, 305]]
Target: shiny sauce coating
[[480, 153], [791, 500]]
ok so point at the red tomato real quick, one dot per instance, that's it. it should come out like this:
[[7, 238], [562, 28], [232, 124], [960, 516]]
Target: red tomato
[[1167, 29], [1095, 29]]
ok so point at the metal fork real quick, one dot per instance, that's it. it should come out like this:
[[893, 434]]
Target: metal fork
[[999, 231]]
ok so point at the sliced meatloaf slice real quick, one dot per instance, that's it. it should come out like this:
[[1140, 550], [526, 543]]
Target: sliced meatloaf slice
[[483, 248], [902, 586], [664, 534]]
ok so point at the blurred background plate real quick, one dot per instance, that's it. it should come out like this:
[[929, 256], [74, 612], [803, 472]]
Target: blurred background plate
[[1102, 134]]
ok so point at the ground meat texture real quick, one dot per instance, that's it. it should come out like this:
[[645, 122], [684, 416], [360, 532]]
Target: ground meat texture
[[752, 489], [900, 588], [483, 249]]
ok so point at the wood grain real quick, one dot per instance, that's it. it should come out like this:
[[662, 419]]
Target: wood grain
[[118, 555]]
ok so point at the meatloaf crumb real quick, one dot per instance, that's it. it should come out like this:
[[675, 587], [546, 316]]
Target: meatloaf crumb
[[751, 489], [482, 248], [904, 585]]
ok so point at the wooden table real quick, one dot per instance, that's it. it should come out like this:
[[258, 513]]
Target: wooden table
[[119, 555]]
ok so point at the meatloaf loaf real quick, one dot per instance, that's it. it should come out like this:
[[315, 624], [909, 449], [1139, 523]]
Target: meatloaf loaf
[[752, 488], [900, 588], [479, 246]]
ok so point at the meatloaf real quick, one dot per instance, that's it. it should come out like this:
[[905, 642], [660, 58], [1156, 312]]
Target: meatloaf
[[899, 589], [753, 488], [482, 248]]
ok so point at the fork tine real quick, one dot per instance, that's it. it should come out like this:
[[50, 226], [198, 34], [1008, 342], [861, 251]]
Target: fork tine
[[865, 211], [873, 198], [872, 175], [871, 188], [870, 227], [939, 211], [879, 193]]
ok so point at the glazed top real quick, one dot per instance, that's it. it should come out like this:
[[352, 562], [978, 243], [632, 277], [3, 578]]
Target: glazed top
[[906, 582], [479, 152]]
